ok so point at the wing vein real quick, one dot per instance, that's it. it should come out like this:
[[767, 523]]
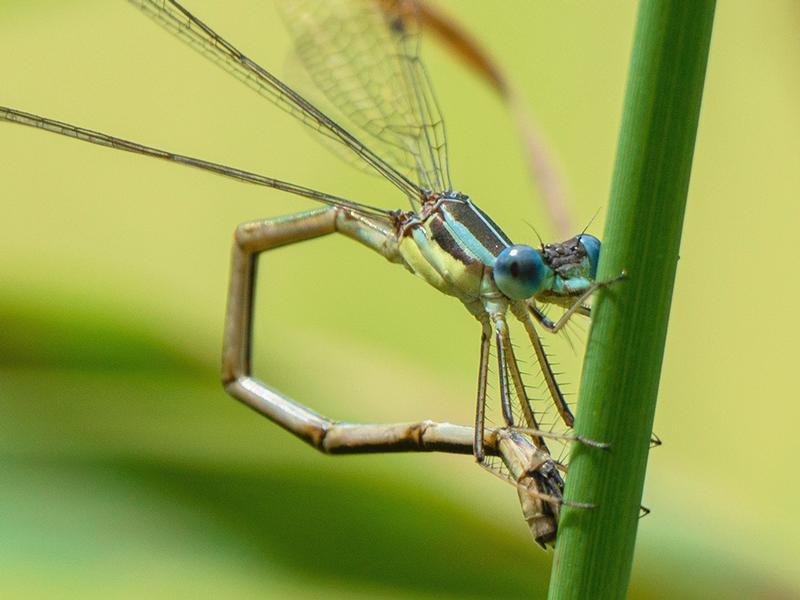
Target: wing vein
[[173, 17]]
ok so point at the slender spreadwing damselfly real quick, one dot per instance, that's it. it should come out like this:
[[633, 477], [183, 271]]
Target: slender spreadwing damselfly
[[364, 59]]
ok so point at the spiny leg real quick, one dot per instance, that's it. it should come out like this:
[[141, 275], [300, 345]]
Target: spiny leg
[[519, 386], [568, 437], [576, 306], [524, 311], [480, 411], [322, 433], [521, 312], [500, 333], [534, 430], [507, 364]]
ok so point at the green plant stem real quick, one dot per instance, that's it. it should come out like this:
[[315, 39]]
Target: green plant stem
[[629, 321]]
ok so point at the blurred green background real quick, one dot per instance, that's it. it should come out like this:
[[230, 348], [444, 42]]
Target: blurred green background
[[127, 472]]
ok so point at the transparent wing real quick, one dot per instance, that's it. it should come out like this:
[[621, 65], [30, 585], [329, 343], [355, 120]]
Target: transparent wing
[[187, 27], [364, 58], [102, 139]]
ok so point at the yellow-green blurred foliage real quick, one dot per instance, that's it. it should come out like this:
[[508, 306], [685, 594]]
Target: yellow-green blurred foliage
[[126, 471]]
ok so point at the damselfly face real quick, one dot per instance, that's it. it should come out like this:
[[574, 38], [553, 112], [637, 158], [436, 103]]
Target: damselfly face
[[558, 273]]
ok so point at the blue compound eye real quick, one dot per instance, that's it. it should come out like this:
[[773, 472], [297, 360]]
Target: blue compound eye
[[592, 246], [519, 272]]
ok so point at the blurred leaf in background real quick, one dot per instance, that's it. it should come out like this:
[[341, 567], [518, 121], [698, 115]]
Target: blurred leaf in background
[[126, 471]]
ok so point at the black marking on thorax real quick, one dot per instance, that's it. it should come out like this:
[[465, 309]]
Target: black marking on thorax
[[446, 241], [459, 209]]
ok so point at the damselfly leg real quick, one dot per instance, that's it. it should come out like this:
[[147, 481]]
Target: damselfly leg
[[577, 307]]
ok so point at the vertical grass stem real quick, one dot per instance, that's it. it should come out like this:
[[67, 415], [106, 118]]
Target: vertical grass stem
[[629, 322]]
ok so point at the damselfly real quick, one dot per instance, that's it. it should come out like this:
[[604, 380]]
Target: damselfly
[[364, 57]]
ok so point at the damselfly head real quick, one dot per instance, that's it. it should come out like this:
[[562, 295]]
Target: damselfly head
[[522, 272]]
